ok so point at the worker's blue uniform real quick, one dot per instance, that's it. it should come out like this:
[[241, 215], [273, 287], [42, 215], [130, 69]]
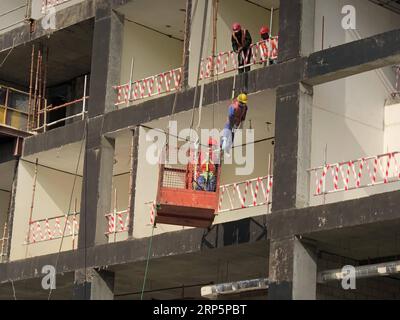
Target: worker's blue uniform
[[236, 115]]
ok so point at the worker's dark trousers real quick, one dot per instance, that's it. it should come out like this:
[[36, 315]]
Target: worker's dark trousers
[[244, 60]]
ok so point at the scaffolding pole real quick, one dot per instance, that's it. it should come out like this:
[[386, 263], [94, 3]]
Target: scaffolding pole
[[29, 125]]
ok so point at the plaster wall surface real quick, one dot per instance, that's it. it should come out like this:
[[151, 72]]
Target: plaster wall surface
[[153, 53], [349, 114], [52, 199]]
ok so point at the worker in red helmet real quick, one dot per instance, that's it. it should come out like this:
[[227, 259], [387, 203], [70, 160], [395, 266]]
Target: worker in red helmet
[[241, 44], [269, 45], [206, 176]]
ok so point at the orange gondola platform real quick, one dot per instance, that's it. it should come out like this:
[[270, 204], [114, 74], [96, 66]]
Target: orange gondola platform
[[178, 203]]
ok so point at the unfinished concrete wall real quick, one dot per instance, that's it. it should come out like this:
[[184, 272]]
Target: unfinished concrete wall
[[371, 19], [153, 52], [4, 202], [348, 120], [52, 199], [250, 16]]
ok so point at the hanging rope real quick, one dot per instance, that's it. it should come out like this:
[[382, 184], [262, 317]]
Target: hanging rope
[[147, 262], [203, 33]]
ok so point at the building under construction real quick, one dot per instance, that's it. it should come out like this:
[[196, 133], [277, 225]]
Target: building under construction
[[83, 82]]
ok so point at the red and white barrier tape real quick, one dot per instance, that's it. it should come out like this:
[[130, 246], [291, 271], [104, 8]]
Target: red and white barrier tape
[[162, 83], [356, 174], [50, 229], [225, 62], [235, 196], [117, 222]]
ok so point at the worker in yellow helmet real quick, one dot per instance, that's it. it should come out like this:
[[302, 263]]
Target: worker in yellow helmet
[[236, 115]]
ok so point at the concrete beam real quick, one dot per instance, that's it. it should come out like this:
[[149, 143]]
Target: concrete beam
[[244, 232], [292, 271], [373, 209], [97, 186], [91, 284], [133, 179], [353, 58], [293, 147], [55, 138], [260, 79]]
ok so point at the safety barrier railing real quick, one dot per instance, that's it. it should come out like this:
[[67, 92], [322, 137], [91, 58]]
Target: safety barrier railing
[[14, 107], [247, 194], [53, 228], [262, 52], [43, 114], [357, 174], [47, 4], [118, 221], [162, 83]]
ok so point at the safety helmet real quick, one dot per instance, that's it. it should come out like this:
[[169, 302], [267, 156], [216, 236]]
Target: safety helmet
[[212, 142], [236, 27], [264, 30], [242, 98]]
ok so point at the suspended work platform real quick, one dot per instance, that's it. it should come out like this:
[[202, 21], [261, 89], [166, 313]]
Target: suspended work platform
[[181, 200]]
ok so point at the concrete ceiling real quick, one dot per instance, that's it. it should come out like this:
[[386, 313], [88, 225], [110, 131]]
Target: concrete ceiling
[[361, 242], [168, 17], [70, 52], [158, 16], [192, 271], [266, 3]]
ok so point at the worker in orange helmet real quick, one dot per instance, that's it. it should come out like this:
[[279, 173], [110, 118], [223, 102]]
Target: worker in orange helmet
[[241, 44], [269, 46], [206, 177]]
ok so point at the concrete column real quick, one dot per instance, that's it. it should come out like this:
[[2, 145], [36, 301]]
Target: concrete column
[[292, 270], [293, 147], [296, 28], [99, 155], [106, 58], [186, 45], [93, 285], [134, 166], [97, 187]]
